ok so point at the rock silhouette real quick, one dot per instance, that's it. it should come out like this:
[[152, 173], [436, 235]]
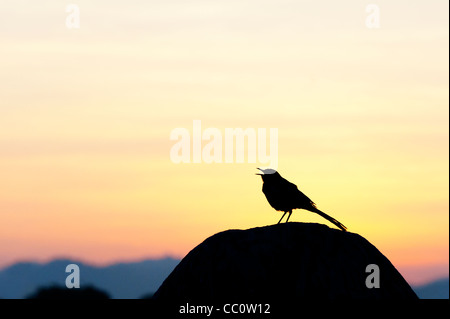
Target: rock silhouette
[[283, 261]]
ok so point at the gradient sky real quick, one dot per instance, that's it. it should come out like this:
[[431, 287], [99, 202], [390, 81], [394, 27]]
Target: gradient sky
[[86, 116]]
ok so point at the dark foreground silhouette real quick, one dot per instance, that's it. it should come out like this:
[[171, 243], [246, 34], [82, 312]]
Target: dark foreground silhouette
[[285, 196], [294, 261], [59, 292]]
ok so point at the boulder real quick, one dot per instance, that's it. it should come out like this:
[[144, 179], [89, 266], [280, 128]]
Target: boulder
[[284, 261]]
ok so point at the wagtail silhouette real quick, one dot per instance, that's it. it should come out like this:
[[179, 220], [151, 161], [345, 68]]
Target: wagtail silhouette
[[285, 196]]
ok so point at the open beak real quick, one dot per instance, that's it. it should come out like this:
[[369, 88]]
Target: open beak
[[259, 173]]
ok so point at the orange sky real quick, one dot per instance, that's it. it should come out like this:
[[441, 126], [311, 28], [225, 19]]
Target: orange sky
[[86, 116]]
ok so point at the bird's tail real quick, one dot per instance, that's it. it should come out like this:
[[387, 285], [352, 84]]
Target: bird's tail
[[331, 219]]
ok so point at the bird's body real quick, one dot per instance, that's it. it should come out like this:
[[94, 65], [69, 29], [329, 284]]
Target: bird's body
[[284, 196]]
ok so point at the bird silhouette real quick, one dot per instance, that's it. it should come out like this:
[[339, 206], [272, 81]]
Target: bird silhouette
[[285, 196]]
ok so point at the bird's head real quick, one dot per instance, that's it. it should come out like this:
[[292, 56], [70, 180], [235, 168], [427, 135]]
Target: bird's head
[[268, 174]]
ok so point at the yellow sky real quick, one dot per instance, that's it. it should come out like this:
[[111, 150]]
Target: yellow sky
[[86, 116]]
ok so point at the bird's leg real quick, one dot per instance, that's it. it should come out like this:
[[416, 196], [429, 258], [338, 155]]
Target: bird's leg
[[281, 217], [289, 216]]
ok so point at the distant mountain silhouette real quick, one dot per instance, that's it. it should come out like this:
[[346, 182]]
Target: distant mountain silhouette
[[121, 280], [285, 261], [438, 289], [125, 280]]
